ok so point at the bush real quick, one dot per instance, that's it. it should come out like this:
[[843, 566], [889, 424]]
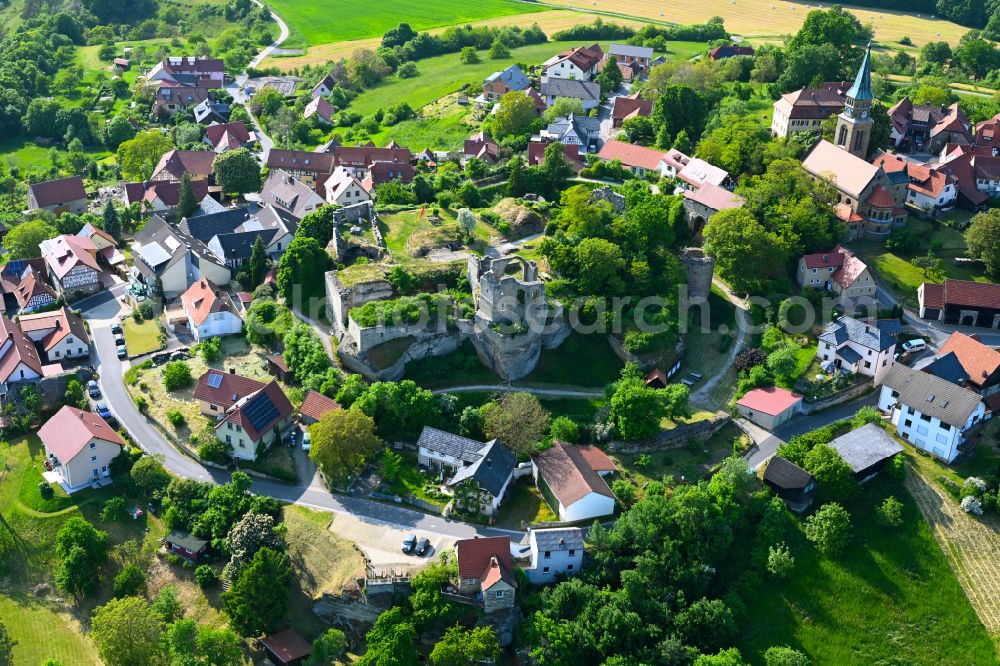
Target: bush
[[114, 509], [176, 418], [215, 451], [45, 490], [130, 582], [177, 375], [972, 505], [140, 403], [829, 529], [210, 350], [780, 561], [206, 576], [146, 310], [890, 512]]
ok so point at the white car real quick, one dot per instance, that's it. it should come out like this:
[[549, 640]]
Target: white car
[[914, 345], [306, 441]]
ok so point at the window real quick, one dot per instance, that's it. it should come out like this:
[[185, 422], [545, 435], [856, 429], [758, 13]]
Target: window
[[572, 552], [93, 458], [925, 417], [569, 567], [470, 581], [548, 554], [545, 569], [214, 408], [93, 445], [57, 353], [868, 364], [229, 440], [499, 594]]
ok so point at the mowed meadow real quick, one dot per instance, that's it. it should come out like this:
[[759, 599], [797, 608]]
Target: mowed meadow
[[772, 18], [314, 22]]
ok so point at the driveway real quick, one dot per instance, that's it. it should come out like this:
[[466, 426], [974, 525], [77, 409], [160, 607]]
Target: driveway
[[310, 493]]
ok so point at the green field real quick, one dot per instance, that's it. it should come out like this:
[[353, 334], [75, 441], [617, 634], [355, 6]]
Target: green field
[[890, 598], [319, 23], [442, 75]]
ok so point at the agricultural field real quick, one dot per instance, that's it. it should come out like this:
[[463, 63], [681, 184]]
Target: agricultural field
[[316, 23], [890, 598], [772, 18], [550, 21]]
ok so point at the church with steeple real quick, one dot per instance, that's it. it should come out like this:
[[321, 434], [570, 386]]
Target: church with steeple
[[854, 124], [870, 201]]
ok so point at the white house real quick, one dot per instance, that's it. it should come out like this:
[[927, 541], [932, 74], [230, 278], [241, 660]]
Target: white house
[[487, 467], [19, 361], [60, 334], [859, 347], [930, 411], [344, 188], [554, 552], [80, 445], [579, 64], [72, 265], [570, 484], [769, 407], [210, 312], [255, 422]]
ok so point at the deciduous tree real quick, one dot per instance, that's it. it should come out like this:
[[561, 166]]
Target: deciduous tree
[[982, 237], [829, 528], [138, 156], [518, 420], [257, 601], [22, 241], [515, 115], [459, 647], [237, 171], [341, 440], [127, 632]]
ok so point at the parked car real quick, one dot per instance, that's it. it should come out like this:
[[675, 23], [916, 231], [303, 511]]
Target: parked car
[[423, 546], [122, 351], [116, 329], [93, 389], [161, 358], [410, 544], [306, 441], [914, 345], [103, 411], [119, 340]]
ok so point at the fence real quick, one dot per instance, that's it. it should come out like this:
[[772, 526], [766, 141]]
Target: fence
[[416, 502]]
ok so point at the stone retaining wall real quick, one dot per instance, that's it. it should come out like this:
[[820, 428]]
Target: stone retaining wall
[[837, 398], [675, 438]]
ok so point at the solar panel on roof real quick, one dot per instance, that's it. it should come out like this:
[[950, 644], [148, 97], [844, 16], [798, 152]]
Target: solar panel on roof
[[261, 412], [215, 380]]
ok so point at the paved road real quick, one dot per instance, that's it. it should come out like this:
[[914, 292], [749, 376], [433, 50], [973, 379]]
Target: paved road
[[309, 493]]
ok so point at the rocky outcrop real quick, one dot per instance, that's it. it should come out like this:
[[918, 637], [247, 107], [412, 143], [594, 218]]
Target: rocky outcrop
[[352, 616]]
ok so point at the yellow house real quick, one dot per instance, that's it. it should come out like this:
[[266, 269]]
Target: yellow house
[[80, 446]]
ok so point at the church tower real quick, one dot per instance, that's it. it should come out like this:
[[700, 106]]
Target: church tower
[[854, 125]]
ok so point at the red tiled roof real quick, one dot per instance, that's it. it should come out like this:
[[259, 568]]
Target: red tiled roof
[[365, 156], [826, 259], [975, 294], [315, 405], [70, 429], [61, 321], [300, 160], [320, 107], [236, 134], [475, 555], [167, 192], [772, 400], [536, 154], [288, 646], [631, 155], [203, 298], [51, 192], [881, 198], [976, 358], [238, 413], [933, 295], [230, 385], [846, 213], [568, 474], [597, 459], [631, 107], [196, 163], [714, 197], [22, 350], [63, 253]]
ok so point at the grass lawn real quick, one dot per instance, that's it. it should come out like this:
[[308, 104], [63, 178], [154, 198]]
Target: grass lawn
[[45, 631], [142, 337], [236, 354], [443, 75], [524, 504], [323, 563], [775, 17], [410, 481], [901, 275], [315, 23], [406, 234], [441, 126], [703, 345], [890, 598], [691, 462], [277, 461], [582, 360], [29, 156]]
